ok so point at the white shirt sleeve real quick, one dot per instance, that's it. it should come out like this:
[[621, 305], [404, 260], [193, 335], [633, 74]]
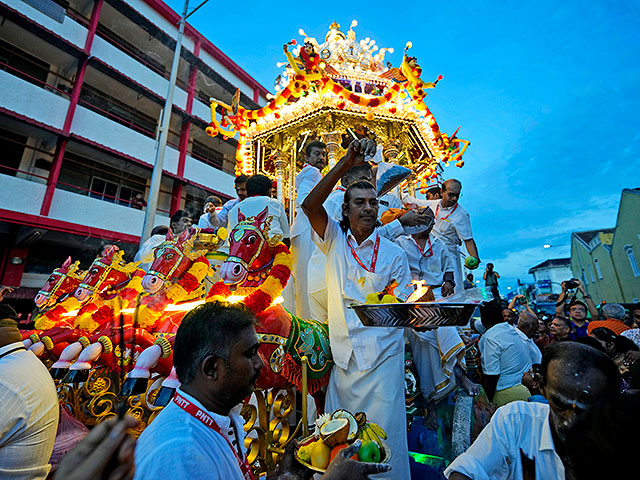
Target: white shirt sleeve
[[331, 233], [408, 199], [402, 275], [463, 227], [283, 220], [488, 458], [490, 356], [307, 179], [224, 213], [391, 230]]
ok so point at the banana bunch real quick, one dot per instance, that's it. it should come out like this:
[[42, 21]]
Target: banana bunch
[[373, 432]]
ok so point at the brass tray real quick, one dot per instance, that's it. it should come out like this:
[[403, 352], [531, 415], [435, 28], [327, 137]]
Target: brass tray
[[386, 451], [414, 315]]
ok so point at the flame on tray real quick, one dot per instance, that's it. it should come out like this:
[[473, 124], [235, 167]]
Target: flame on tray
[[420, 291]]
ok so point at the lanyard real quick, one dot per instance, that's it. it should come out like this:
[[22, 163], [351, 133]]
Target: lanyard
[[207, 420], [444, 218], [340, 188], [420, 248], [374, 258]]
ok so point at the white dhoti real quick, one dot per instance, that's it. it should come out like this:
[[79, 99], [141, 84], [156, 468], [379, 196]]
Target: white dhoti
[[435, 354], [302, 247], [376, 392], [317, 286]]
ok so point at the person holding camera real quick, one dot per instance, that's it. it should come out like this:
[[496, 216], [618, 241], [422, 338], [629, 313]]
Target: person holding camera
[[577, 308], [491, 280]]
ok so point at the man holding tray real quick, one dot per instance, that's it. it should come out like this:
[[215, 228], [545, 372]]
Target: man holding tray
[[369, 362]]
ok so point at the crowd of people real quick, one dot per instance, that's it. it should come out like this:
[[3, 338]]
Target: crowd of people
[[555, 381]]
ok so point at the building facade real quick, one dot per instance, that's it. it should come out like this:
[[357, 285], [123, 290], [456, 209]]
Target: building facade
[[606, 260], [83, 86], [548, 277]]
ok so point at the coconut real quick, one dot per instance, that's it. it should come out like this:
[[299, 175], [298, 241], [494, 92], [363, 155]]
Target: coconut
[[335, 432], [353, 423]]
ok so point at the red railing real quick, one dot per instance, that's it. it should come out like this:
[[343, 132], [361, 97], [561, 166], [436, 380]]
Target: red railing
[[17, 170], [34, 80]]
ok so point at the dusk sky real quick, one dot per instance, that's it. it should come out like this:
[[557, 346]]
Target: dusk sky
[[547, 92]]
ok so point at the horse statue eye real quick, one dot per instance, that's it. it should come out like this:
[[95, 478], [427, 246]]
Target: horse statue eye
[[52, 279], [169, 256], [94, 271], [251, 239]]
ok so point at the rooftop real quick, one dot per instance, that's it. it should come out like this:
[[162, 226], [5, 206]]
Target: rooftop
[[552, 262]]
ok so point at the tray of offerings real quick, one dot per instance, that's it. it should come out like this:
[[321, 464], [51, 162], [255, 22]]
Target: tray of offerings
[[418, 315]]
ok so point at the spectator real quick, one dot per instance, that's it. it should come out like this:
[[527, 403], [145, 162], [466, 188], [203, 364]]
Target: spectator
[[634, 332], [622, 351], [145, 254], [505, 357], [180, 221], [522, 300], [510, 316], [613, 314], [560, 328], [240, 184], [29, 406], [138, 201], [530, 440], [468, 281], [434, 193], [577, 309], [491, 280], [528, 329], [209, 218], [531, 380]]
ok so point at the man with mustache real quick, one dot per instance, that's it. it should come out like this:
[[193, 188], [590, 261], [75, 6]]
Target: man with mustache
[[369, 362]]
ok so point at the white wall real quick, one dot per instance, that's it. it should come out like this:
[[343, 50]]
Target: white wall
[[226, 73], [82, 210], [69, 29], [201, 110], [162, 22], [32, 101], [21, 195], [209, 176]]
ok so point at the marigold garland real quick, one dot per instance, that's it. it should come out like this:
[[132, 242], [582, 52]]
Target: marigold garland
[[54, 316], [260, 298]]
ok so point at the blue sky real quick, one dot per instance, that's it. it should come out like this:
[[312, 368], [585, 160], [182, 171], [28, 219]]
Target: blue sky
[[547, 92]]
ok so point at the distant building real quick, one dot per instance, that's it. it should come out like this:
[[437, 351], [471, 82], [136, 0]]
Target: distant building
[[549, 276], [606, 259], [83, 86]]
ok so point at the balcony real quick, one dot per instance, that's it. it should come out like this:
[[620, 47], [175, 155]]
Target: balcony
[[69, 29], [92, 212], [32, 101], [208, 176], [21, 195]]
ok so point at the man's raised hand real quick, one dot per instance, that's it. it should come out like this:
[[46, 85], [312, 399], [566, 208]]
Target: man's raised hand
[[358, 150], [344, 468]]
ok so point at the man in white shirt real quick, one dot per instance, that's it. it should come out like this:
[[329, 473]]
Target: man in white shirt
[[29, 406], [209, 217], [240, 185], [317, 286], [258, 197], [369, 361], [528, 330], [529, 439], [505, 357], [200, 434], [453, 225], [301, 244]]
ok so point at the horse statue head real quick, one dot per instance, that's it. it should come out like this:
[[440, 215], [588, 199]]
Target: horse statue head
[[250, 251], [107, 271], [172, 258], [62, 281]]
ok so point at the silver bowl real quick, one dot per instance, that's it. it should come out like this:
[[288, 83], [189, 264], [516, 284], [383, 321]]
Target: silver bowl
[[414, 315]]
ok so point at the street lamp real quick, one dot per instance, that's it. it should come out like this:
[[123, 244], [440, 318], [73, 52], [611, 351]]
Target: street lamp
[[156, 175]]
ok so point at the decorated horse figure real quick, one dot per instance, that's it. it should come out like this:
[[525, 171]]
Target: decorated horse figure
[[255, 273], [60, 284], [106, 286], [176, 275]]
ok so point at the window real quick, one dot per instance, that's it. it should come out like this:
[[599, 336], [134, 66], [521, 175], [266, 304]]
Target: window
[[584, 277], [595, 260], [593, 279], [632, 261], [13, 146]]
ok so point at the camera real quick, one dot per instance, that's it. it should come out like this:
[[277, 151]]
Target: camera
[[569, 284]]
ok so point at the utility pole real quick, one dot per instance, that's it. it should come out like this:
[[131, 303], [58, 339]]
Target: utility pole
[[156, 175]]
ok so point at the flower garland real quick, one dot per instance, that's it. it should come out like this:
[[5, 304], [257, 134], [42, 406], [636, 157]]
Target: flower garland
[[260, 298], [152, 306]]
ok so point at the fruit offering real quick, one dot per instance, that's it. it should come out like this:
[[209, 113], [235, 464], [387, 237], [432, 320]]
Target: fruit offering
[[338, 430]]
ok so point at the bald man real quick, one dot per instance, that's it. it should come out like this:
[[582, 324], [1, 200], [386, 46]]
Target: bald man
[[452, 225]]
